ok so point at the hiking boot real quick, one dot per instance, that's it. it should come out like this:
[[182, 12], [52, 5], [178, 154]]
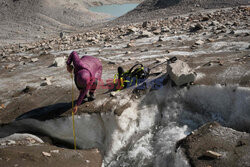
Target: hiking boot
[[85, 97], [91, 97]]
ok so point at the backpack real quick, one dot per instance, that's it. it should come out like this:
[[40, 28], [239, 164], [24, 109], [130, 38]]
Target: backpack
[[134, 76]]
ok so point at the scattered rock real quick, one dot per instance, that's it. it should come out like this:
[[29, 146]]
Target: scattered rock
[[212, 154], [62, 35], [55, 151], [46, 82], [3, 144], [87, 161], [10, 142], [205, 18], [160, 60], [113, 94], [145, 24], [59, 62], [129, 45], [33, 60], [168, 51], [199, 42], [157, 32], [27, 89], [111, 63], [144, 50], [9, 66], [181, 73], [196, 27], [210, 40], [31, 140], [46, 154], [22, 63], [160, 39], [132, 29], [26, 57], [240, 143], [165, 29], [131, 58], [145, 34], [215, 23]]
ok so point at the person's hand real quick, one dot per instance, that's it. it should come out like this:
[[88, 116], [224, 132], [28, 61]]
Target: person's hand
[[75, 109], [69, 68]]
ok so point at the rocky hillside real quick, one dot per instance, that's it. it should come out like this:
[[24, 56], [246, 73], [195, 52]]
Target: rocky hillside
[[151, 9], [210, 4], [25, 20]]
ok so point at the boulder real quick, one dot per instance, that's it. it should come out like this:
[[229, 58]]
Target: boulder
[[145, 24], [62, 35], [59, 62], [199, 42], [20, 139], [132, 29], [145, 34], [165, 29], [9, 66], [157, 32], [47, 81], [129, 45], [180, 73], [33, 60], [196, 27], [216, 146]]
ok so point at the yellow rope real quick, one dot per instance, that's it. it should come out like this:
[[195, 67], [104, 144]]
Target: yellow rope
[[73, 120]]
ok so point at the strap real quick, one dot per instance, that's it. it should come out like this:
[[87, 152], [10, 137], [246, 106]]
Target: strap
[[134, 67]]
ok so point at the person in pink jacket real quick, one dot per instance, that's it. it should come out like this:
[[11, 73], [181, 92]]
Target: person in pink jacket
[[87, 72]]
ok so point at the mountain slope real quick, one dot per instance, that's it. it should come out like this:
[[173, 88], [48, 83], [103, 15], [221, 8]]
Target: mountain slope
[[151, 9], [26, 19]]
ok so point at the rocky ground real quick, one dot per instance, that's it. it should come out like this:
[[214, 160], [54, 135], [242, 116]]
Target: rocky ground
[[27, 150], [215, 43]]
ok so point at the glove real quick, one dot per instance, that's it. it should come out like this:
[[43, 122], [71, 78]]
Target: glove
[[69, 68], [75, 109]]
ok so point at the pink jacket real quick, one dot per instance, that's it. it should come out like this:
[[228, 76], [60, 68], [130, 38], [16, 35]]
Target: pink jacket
[[86, 70]]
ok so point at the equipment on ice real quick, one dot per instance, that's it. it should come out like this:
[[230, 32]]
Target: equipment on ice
[[136, 74]]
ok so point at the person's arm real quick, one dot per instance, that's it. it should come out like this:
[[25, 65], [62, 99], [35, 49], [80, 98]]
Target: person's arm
[[73, 57], [81, 96], [70, 58], [80, 99]]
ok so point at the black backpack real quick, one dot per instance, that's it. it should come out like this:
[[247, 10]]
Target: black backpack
[[135, 75]]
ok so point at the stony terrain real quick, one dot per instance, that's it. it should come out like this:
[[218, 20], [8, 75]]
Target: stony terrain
[[215, 43]]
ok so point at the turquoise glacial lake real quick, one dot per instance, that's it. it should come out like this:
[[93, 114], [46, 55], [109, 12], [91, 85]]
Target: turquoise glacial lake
[[114, 10]]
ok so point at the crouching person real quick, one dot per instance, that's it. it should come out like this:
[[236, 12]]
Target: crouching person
[[87, 72]]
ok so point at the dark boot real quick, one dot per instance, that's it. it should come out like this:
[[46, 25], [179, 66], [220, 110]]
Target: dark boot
[[91, 96], [85, 97]]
